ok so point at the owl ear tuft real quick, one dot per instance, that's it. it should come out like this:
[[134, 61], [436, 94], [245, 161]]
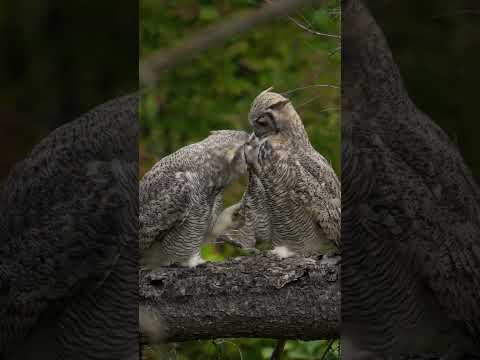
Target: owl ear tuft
[[265, 91], [279, 105]]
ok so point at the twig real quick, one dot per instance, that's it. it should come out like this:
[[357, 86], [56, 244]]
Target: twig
[[223, 341], [309, 28], [309, 101], [306, 20], [332, 108], [310, 86], [311, 31], [277, 353], [329, 345], [334, 51]]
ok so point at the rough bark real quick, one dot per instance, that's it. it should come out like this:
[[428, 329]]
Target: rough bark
[[252, 296]]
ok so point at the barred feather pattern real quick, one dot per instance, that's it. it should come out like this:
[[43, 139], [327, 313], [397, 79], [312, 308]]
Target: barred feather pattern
[[293, 195], [303, 207], [410, 213], [182, 195], [68, 249]]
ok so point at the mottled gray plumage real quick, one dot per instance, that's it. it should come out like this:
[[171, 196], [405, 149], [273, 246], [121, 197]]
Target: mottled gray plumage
[[410, 217], [68, 216], [293, 195], [182, 195]]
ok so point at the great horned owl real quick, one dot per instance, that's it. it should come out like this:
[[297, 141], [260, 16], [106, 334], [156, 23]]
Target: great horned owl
[[68, 242], [410, 217], [293, 195], [182, 195]]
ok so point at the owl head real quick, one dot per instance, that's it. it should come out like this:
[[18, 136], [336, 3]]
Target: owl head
[[228, 145], [272, 113]]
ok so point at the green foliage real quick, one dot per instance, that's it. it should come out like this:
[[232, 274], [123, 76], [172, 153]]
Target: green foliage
[[244, 349], [215, 90]]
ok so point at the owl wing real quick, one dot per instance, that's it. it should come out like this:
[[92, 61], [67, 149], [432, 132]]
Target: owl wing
[[438, 216], [215, 218], [317, 188], [61, 236], [66, 213], [217, 208], [257, 211], [249, 218], [163, 211]]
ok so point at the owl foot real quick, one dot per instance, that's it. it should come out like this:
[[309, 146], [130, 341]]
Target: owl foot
[[225, 220], [282, 252], [193, 261]]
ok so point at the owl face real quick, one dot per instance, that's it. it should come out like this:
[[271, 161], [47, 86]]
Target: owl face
[[228, 146], [268, 114], [262, 155]]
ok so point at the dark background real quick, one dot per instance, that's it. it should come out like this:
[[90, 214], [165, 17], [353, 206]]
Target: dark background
[[436, 45], [58, 60]]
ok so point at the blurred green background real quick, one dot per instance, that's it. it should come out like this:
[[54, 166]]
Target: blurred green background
[[215, 90]]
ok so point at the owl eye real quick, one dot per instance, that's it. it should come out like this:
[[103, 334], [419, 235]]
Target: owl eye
[[265, 120], [262, 121]]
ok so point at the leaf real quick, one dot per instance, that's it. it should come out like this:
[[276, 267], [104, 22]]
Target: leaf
[[208, 13]]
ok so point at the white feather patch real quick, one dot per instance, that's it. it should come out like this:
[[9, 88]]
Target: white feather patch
[[193, 261], [282, 252]]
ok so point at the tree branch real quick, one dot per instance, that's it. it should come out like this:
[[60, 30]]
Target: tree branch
[[160, 61], [252, 296]]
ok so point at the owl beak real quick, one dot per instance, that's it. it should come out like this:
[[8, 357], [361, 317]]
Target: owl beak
[[260, 133]]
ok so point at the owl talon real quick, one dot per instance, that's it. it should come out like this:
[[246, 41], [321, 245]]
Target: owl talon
[[282, 252], [194, 261]]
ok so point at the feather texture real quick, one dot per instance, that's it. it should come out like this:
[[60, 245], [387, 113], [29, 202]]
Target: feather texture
[[410, 219], [293, 194], [68, 246], [182, 195]]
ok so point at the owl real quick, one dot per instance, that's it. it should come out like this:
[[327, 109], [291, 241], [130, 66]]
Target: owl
[[410, 218], [293, 195], [182, 196], [68, 243]]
